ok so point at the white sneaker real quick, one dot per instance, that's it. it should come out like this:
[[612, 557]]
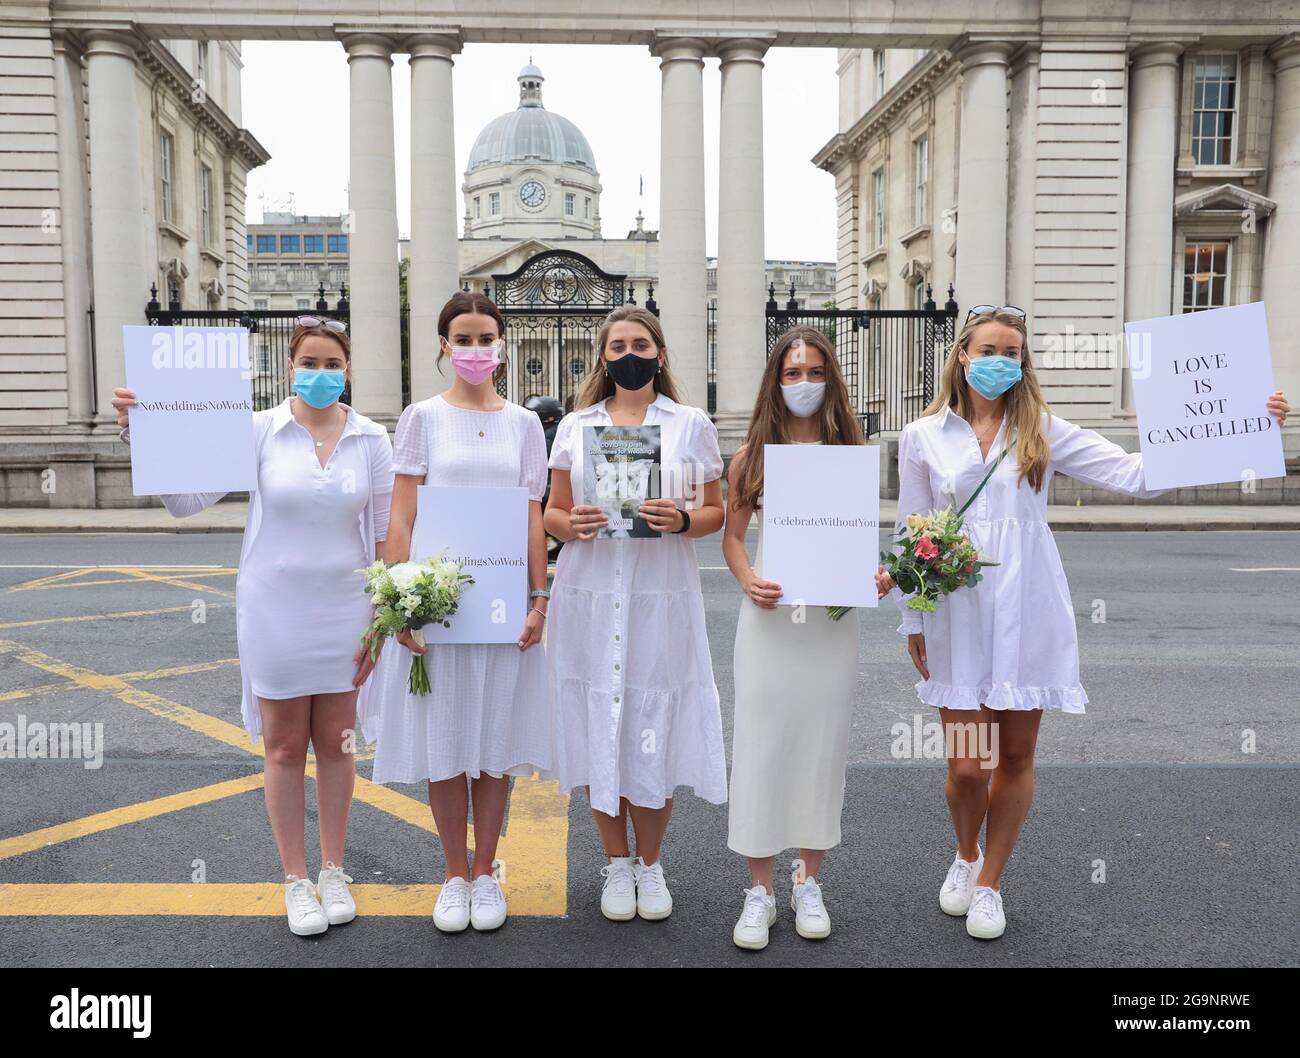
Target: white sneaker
[[959, 886], [451, 912], [487, 903], [306, 916], [985, 919], [756, 918], [618, 898], [653, 900], [332, 892], [810, 918]]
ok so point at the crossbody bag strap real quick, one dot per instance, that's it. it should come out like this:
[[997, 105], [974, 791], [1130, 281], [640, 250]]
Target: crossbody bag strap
[[980, 488]]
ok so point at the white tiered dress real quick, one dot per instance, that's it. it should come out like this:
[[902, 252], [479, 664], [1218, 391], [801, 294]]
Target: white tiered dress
[[1009, 642], [489, 708], [637, 707]]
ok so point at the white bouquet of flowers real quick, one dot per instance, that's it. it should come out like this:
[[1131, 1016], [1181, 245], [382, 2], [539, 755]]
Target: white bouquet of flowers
[[410, 595]]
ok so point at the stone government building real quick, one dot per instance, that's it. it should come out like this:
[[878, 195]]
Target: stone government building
[[1091, 166]]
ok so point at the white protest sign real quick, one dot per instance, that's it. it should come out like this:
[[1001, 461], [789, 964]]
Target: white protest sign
[[821, 523], [1200, 381], [192, 430], [485, 529]]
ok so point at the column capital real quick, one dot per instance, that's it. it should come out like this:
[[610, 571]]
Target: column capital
[[672, 47], [1285, 52], [367, 44], [123, 42], [1158, 53], [1028, 54], [434, 44], [744, 49], [971, 52]]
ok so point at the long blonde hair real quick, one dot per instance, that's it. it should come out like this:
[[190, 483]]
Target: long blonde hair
[[1023, 402], [770, 422], [597, 385]]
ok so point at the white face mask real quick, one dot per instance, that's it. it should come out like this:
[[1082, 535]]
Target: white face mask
[[804, 398]]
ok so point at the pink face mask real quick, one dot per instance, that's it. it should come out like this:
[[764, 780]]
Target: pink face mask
[[475, 364]]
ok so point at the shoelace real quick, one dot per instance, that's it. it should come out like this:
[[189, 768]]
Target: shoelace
[[486, 890], [302, 894], [332, 879], [960, 874], [754, 912], [651, 879], [810, 898], [985, 903], [453, 897], [619, 877]]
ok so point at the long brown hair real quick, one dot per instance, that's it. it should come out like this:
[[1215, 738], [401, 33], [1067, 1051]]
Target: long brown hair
[[770, 422], [1023, 402], [469, 303], [597, 385]]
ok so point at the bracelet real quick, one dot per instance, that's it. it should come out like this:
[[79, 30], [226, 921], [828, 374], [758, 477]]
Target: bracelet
[[539, 593], [686, 521], [534, 609]]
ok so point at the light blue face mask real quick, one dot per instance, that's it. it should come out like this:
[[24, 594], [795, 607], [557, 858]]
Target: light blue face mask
[[318, 387], [992, 375]]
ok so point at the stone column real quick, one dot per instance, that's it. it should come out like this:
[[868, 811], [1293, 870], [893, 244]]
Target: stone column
[[117, 217], [742, 320], [982, 174], [74, 210], [1282, 243], [682, 288], [372, 257], [1149, 219], [434, 273]]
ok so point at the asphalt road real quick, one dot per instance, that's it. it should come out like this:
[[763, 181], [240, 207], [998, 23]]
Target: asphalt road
[[1196, 658]]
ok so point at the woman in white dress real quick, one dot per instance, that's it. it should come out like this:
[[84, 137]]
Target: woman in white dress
[[994, 656], [324, 479], [488, 714], [637, 707], [795, 671]]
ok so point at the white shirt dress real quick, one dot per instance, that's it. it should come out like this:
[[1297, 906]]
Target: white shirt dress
[[300, 598], [636, 705], [489, 706], [1009, 642]]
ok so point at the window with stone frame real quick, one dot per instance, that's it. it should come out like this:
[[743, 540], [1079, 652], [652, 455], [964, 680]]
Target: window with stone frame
[[1214, 109], [1207, 271]]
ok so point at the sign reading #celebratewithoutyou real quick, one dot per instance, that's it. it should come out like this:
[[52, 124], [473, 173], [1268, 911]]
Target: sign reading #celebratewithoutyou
[[821, 523], [486, 531], [1200, 381], [192, 430]]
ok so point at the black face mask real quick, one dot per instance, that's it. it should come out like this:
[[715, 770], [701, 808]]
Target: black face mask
[[631, 371]]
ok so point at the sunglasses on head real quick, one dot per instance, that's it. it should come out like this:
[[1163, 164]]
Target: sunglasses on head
[[981, 310], [316, 321]]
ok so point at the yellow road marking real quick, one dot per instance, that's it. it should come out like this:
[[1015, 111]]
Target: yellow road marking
[[176, 582], [228, 899], [156, 674], [103, 616], [116, 817], [67, 579]]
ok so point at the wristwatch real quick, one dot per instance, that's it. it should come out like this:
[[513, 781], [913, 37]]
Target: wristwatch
[[686, 521]]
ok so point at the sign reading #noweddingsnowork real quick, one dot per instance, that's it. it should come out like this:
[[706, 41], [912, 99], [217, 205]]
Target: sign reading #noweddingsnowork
[[486, 530], [821, 523], [192, 430], [1200, 381]]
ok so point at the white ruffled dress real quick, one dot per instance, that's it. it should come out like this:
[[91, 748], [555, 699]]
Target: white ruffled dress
[[1010, 641]]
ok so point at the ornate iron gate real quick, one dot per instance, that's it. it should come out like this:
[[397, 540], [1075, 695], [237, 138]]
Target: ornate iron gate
[[553, 305], [889, 357]]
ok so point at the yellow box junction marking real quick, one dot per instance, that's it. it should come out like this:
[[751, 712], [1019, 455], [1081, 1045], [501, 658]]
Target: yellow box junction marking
[[533, 850]]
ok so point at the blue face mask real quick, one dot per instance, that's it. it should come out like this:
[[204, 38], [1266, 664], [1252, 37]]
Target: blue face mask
[[318, 387], [992, 375]]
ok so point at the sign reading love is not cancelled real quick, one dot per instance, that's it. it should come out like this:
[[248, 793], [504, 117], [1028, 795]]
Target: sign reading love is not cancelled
[[486, 530], [821, 523], [1201, 381], [192, 429]]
